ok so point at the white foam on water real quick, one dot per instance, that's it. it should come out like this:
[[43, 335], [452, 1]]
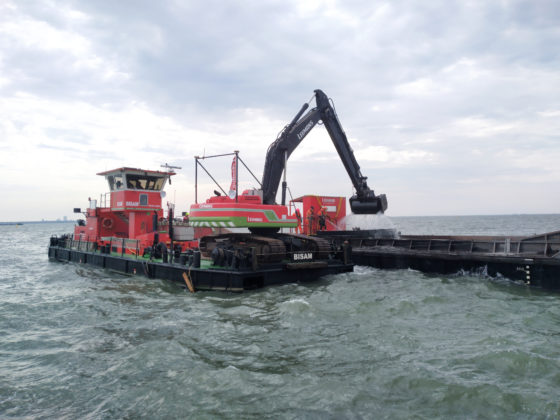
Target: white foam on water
[[367, 222]]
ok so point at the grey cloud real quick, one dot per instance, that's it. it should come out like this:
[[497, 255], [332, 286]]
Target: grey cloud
[[400, 73]]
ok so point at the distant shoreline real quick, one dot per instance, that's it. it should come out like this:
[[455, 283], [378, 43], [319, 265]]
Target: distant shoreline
[[34, 222]]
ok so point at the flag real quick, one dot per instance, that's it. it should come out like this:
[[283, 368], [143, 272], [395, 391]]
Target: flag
[[233, 186]]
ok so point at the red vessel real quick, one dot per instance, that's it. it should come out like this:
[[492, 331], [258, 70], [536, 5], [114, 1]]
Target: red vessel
[[132, 221], [130, 218]]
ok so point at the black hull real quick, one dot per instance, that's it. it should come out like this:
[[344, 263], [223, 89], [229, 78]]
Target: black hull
[[204, 279], [533, 260], [539, 272]]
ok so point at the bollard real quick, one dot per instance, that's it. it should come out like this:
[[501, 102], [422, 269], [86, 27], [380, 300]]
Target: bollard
[[196, 259]]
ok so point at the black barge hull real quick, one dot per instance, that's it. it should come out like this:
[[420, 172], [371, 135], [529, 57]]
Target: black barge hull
[[533, 260], [532, 271], [204, 278]]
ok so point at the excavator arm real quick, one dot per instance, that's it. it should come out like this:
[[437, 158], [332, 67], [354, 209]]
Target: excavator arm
[[363, 202], [279, 151]]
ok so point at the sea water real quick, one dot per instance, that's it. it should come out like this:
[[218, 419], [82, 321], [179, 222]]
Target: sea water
[[82, 342]]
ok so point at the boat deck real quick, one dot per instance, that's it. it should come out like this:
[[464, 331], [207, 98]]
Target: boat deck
[[204, 277]]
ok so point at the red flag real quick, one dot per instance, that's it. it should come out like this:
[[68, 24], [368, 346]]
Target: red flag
[[233, 186]]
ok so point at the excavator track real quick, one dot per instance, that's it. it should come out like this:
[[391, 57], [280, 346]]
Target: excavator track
[[268, 249], [320, 247], [240, 249]]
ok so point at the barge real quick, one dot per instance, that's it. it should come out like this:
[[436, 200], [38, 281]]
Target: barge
[[197, 272], [531, 260]]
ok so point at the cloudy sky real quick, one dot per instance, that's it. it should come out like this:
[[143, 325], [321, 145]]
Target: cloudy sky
[[452, 107]]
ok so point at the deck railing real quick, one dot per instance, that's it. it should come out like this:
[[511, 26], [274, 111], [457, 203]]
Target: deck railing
[[549, 247]]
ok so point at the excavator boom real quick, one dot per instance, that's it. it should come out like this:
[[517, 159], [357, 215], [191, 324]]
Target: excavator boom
[[363, 202]]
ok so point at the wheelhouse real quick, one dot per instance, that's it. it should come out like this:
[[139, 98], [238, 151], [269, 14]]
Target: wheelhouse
[[136, 179]]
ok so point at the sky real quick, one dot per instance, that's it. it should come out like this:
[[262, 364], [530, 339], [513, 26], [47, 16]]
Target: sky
[[451, 107]]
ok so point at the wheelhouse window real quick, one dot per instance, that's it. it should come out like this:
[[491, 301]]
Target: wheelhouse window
[[144, 182], [116, 182]]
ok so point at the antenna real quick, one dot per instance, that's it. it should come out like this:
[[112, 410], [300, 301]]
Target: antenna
[[170, 167]]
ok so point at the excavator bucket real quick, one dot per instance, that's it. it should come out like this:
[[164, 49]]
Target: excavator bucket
[[370, 205]]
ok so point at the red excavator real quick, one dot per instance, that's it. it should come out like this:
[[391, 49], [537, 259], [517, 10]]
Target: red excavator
[[257, 209]]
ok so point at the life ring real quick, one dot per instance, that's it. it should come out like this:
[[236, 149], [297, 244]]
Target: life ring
[[107, 223]]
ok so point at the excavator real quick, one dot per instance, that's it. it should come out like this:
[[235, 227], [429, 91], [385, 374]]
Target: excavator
[[363, 202], [257, 209]]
